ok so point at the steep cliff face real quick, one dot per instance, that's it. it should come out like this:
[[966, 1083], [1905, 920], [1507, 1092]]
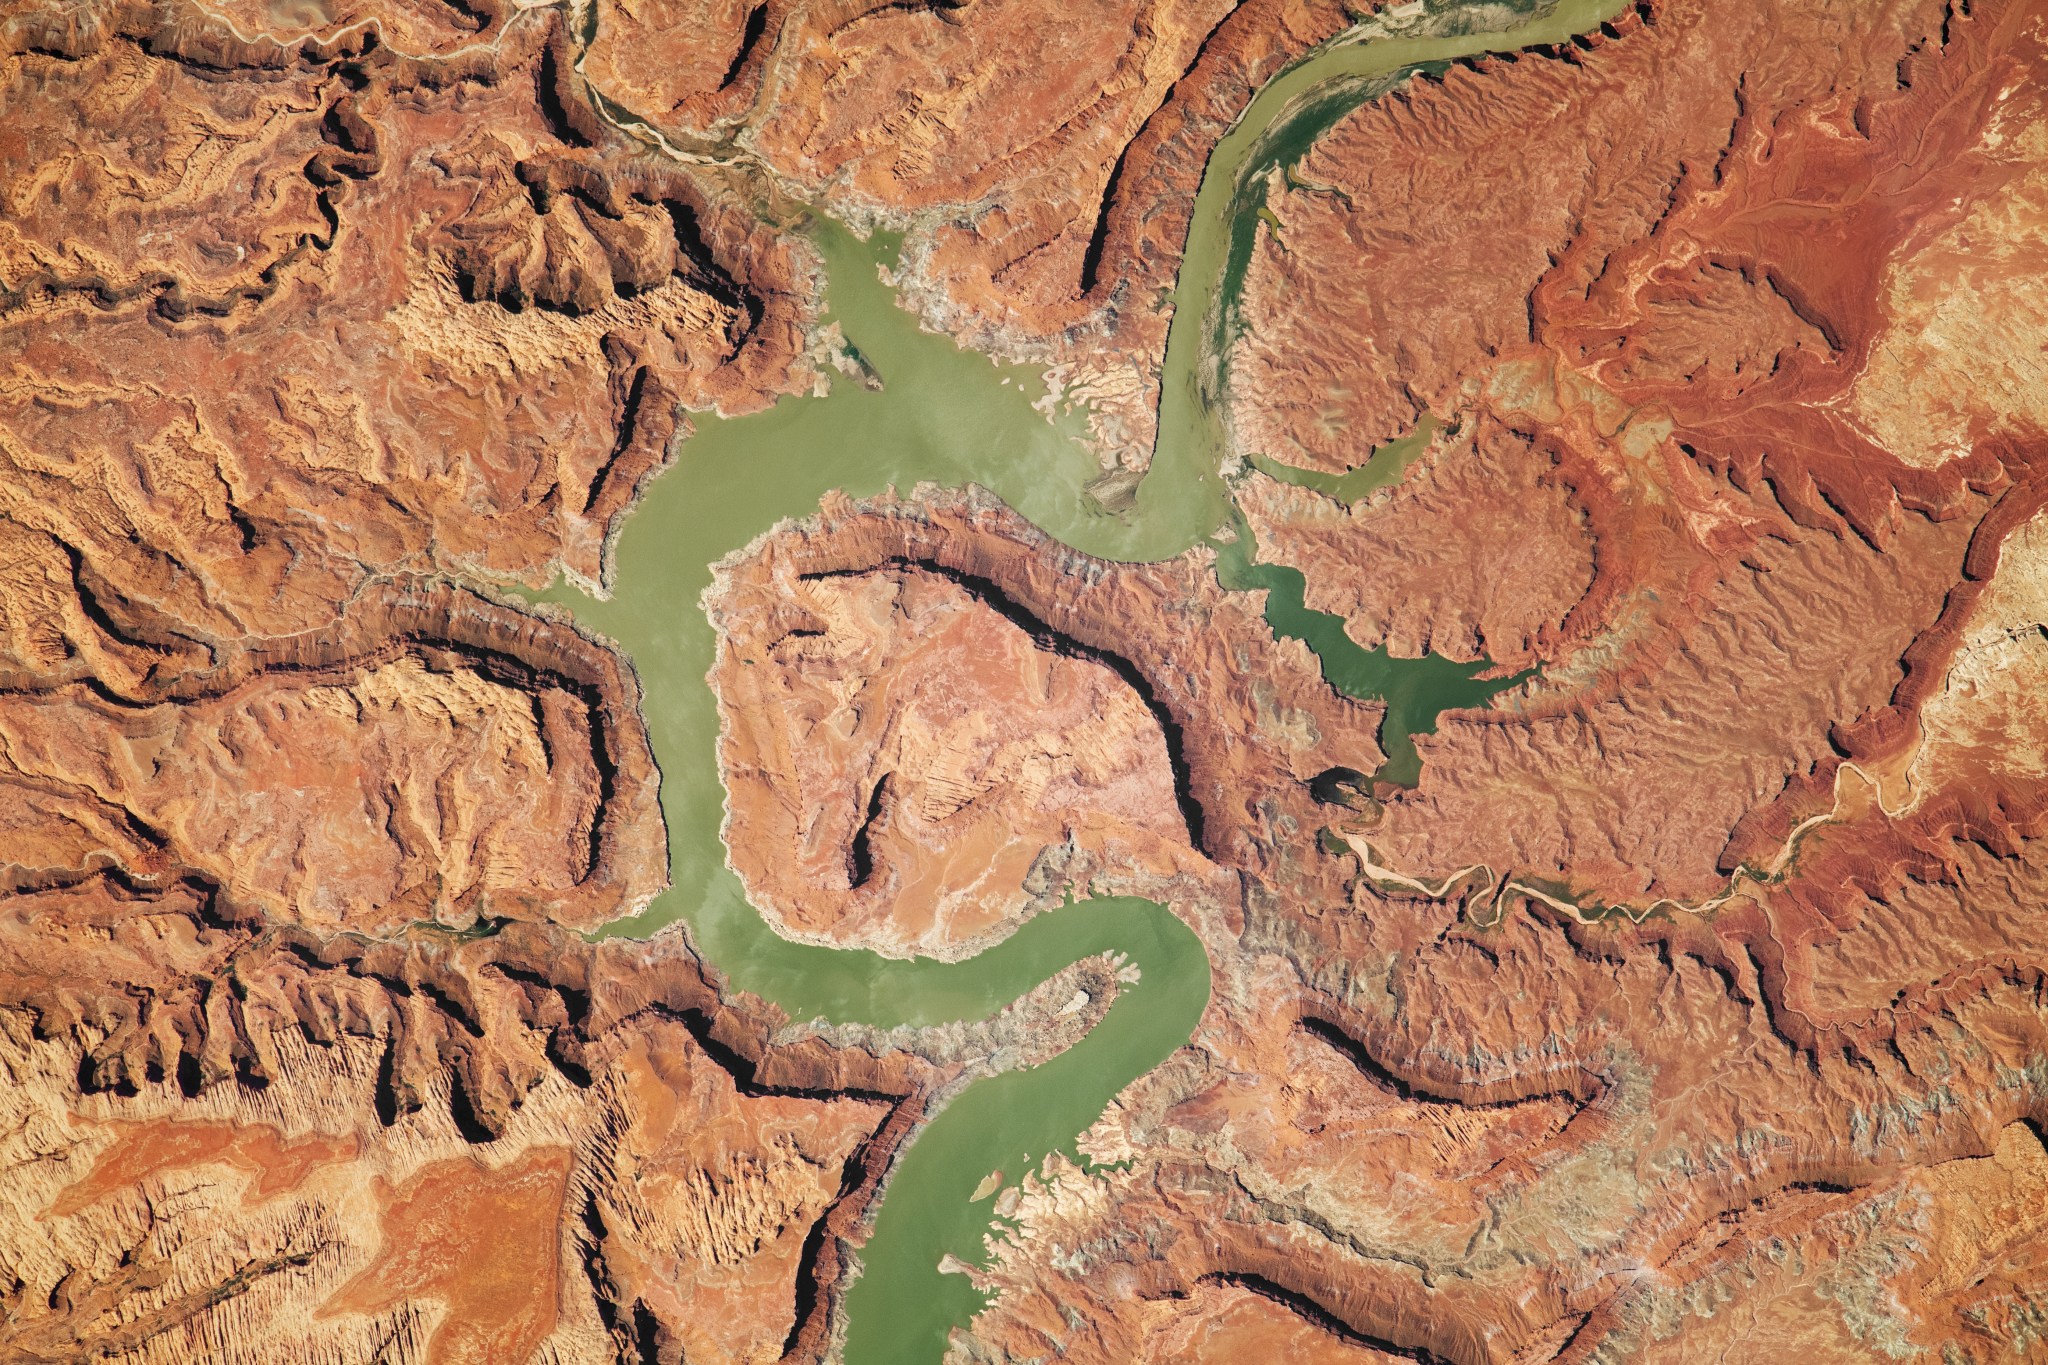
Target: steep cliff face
[[358, 312], [608, 1206], [919, 751], [1677, 1008], [304, 309], [1042, 159], [1220, 730], [1689, 1004]]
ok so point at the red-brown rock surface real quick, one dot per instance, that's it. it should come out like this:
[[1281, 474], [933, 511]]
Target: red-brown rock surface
[[1690, 1006], [1666, 376], [1481, 551], [302, 309], [817, 702], [920, 751], [1043, 158], [506, 320], [1679, 323], [612, 1201]]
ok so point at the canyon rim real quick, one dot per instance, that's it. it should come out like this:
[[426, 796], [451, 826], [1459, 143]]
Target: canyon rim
[[990, 681]]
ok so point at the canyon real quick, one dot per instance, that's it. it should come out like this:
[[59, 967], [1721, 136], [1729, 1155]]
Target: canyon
[[651, 713]]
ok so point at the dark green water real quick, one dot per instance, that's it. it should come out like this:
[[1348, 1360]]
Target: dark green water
[[1416, 691], [1282, 123], [952, 417]]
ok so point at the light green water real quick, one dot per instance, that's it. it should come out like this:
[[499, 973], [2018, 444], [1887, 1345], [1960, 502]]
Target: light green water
[[953, 418], [942, 415], [1383, 467], [899, 1310]]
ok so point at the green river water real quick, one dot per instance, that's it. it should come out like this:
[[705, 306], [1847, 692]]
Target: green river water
[[1386, 466], [953, 417]]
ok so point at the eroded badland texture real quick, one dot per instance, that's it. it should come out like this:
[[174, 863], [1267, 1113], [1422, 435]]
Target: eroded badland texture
[[1043, 159], [301, 312], [1693, 1005], [962, 726]]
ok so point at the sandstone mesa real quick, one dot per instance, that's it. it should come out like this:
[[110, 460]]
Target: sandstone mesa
[[1693, 1001]]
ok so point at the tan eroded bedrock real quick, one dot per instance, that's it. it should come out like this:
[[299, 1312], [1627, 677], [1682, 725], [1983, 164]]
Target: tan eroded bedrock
[[322, 321]]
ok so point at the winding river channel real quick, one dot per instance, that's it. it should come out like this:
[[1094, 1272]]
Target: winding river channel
[[953, 417]]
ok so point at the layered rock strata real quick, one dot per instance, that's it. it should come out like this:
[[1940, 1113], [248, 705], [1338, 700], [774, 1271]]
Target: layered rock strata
[[303, 310], [1691, 1002], [1678, 1005], [1046, 196]]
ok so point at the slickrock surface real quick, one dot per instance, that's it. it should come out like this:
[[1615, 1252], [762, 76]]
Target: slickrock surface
[[304, 308], [875, 707], [430, 757], [1041, 157], [918, 713], [1006, 707], [1677, 288], [1692, 1005]]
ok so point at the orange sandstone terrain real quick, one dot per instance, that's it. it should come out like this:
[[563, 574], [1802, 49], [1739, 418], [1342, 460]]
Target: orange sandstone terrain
[[1064, 730], [954, 800], [1692, 1004]]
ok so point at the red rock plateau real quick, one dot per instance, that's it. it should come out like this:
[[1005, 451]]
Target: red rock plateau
[[305, 313], [923, 751], [1693, 1005], [1043, 159]]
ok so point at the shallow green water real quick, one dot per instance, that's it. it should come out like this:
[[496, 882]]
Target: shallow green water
[[953, 418], [1386, 465], [950, 417], [943, 415], [899, 1310]]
